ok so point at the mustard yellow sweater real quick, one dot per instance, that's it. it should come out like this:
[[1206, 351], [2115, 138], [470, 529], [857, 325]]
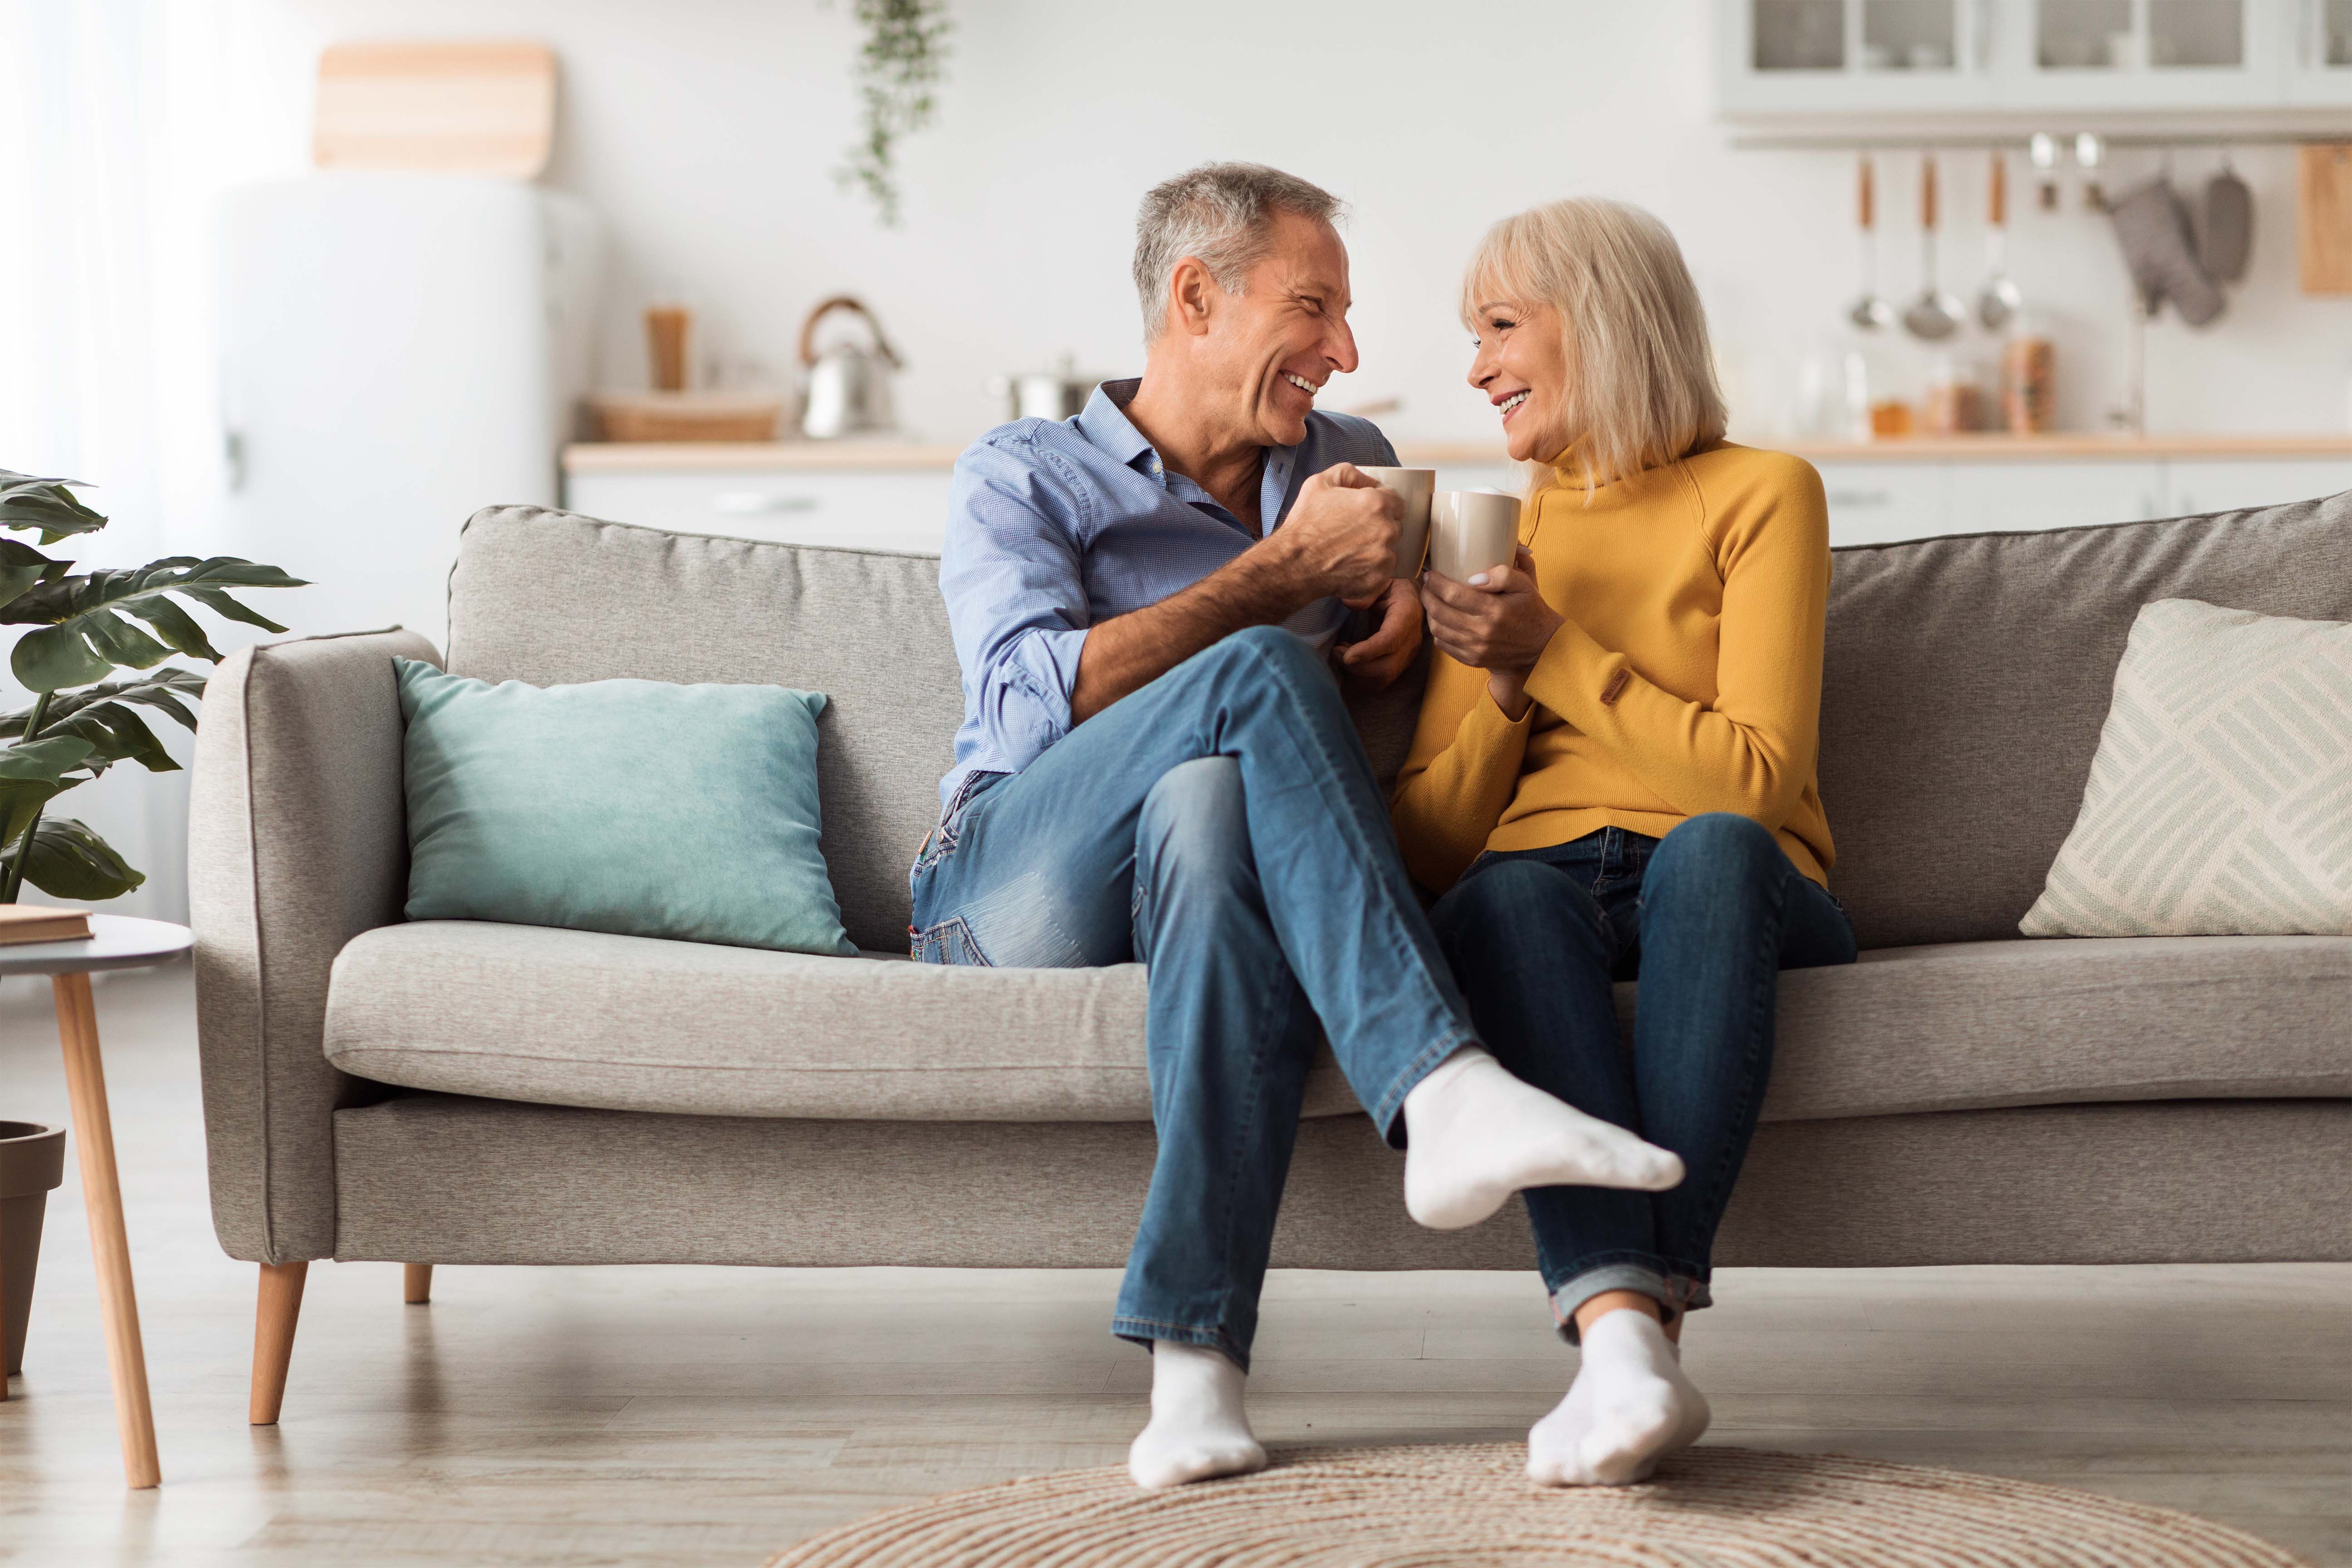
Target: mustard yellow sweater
[[1686, 678]]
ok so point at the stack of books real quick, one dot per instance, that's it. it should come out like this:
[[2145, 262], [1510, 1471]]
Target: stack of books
[[38, 923]]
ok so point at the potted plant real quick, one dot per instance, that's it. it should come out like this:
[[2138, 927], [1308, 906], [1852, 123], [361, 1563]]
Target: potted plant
[[85, 626]]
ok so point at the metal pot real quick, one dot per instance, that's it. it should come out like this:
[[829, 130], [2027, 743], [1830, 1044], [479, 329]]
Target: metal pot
[[1058, 394], [848, 390]]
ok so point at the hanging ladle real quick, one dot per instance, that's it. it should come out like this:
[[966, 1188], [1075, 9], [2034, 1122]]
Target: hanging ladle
[[1869, 312], [1998, 301], [1934, 314]]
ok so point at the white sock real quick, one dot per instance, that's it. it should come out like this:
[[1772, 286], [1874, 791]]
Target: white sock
[[1474, 1135], [1629, 1407], [1197, 1428]]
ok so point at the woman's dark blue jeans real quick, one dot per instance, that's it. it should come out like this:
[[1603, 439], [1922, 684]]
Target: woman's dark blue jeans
[[1706, 918]]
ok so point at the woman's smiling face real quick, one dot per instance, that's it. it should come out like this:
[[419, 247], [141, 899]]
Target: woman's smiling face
[[1522, 367]]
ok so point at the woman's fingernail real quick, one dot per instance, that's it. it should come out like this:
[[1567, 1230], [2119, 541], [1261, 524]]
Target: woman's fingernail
[[1478, 579]]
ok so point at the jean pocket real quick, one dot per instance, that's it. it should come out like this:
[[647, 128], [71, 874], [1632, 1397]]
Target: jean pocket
[[949, 941]]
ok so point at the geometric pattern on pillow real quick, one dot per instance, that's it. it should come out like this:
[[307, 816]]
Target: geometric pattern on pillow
[[2220, 800]]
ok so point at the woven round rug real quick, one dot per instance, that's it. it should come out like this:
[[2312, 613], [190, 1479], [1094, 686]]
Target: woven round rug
[[1465, 1505]]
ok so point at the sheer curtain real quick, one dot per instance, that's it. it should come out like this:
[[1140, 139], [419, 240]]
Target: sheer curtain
[[120, 124]]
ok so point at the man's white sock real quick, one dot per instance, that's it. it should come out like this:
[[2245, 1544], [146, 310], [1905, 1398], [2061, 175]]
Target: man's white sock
[[1474, 1135], [1197, 1428], [1629, 1407]]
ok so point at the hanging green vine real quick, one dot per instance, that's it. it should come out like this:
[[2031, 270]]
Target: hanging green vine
[[903, 58]]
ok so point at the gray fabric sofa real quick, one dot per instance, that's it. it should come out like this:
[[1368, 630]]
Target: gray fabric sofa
[[462, 1093]]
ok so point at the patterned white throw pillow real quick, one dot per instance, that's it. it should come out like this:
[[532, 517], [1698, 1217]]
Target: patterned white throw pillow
[[2220, 800]]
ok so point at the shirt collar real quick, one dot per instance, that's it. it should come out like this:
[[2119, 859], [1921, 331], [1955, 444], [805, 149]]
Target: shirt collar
[[1103, 422]]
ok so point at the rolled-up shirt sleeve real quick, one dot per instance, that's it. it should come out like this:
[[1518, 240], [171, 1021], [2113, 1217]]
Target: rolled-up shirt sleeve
[[1009, 572]]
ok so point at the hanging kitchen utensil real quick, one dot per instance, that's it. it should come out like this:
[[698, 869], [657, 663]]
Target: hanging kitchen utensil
[[2043, 149], [2152, 227], [2091, 152], [1999, 299], [2225, 234], [1868, 311], [848, 389], [1935, 314]]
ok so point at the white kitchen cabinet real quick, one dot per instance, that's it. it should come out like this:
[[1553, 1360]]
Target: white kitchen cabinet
[[2220, 485], [1794, 60], [2004, 498], [1878, 503], [1806, 56], [2140, 54], [2319, 65], [899, 509]]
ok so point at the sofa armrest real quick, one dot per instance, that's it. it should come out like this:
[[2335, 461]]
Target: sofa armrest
[[298, 842]]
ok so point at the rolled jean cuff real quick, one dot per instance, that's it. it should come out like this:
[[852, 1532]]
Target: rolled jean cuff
[[1144, 1330], [1675, 1293], [1389, 1114]]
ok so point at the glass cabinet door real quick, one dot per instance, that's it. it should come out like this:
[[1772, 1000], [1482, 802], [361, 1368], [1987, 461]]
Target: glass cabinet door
[[2321, 70], [2140, 53], [1831, 55]]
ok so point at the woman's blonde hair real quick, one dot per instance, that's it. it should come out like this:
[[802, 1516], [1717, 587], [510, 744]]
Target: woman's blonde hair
[[1640, 377]]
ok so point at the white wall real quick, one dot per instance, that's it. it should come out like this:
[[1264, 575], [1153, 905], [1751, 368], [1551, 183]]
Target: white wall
[[706, 132]]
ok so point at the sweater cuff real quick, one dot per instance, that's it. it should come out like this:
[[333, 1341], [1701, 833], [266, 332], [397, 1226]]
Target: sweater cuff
[[1577, 679]]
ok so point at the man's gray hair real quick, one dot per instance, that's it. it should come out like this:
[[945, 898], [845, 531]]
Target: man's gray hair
[[1223, 215]]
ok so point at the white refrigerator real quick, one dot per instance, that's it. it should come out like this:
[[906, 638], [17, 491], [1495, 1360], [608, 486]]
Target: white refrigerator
[[398, 351]]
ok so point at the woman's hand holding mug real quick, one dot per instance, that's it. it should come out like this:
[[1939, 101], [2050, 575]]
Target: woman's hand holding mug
[[1496, 622]]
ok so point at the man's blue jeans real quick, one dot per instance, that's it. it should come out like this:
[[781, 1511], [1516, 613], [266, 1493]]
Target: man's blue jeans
[[1706, 917], [1222, 825]]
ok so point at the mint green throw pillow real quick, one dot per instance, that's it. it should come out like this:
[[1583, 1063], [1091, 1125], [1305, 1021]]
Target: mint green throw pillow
[[633, 807]]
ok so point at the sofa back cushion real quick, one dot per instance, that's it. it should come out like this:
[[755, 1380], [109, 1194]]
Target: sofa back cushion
[[1967, 678], [550, 598], [1966, 683]]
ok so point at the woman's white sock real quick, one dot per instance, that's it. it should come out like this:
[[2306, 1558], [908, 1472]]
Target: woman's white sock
[[1197, 1428], [1629, 1407], [1475, 1133]]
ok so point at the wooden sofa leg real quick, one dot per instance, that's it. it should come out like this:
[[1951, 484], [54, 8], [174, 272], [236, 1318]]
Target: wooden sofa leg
[[416, 1283], [279, 1305]]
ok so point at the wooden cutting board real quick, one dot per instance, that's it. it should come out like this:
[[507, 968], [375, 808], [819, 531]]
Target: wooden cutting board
[[475, 106], [2324, 218]]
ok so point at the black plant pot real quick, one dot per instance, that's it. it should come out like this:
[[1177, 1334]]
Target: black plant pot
[[32, 1162]]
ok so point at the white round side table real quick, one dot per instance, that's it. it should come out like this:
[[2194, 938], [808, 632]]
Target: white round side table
[[116, 942]]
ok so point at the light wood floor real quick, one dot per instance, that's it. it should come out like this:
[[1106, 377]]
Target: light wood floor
[[711, 1417]]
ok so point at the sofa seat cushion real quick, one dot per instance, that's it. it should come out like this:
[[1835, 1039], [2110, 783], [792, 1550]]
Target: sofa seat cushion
[[565, 1017], [581, 1018]]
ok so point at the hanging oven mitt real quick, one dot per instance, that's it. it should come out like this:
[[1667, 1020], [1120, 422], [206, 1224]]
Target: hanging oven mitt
[[2227, 233], [2152, 227]]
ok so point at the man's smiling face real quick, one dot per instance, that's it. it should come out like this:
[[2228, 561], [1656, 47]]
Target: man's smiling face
[[1286, 332]]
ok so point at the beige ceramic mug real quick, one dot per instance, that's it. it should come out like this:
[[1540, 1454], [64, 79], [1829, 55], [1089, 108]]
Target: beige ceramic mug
[[1472, 532], [1414, 487]]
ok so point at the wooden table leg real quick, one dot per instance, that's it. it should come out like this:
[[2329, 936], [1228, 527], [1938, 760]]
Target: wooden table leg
[[93, 1133]]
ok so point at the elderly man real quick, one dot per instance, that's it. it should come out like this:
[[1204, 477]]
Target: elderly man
[[1155, 763]]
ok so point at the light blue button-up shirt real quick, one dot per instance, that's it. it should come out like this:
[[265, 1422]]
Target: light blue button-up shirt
[[1054, 525]]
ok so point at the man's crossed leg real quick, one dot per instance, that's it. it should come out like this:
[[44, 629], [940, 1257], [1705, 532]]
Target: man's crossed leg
[[1222, 825]]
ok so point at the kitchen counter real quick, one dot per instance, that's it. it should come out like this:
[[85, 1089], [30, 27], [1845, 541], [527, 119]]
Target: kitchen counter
[[866, 457], [869, 457]]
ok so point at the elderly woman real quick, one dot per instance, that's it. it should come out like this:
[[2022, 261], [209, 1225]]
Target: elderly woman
[[1613, 777]]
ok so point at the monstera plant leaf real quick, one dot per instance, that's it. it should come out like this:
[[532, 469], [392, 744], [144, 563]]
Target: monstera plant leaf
[[84, 635], [103, 716], [69, 861], [47, 505], [87, 625], [31, 775], [21, 566]]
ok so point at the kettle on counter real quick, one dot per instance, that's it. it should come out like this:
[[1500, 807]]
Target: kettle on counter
[[848, 390]]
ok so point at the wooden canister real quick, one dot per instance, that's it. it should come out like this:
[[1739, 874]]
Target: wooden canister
[[2028, 385]]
